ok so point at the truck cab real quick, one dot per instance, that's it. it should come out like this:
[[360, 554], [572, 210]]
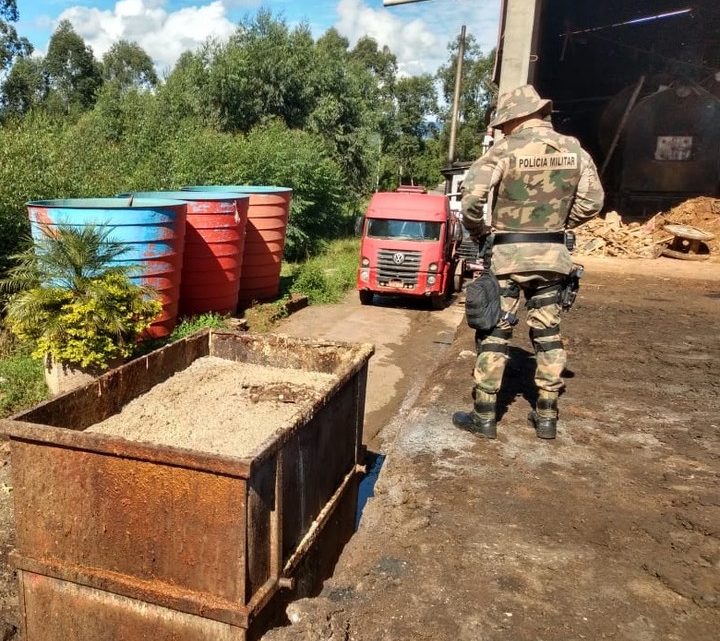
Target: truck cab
[[408, 246]]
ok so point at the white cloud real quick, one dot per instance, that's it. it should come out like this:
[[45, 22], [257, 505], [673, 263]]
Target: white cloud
[[164, 35], [411, 41], [419, 44]]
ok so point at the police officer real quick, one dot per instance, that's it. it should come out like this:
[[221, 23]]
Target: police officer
[[545, 183]]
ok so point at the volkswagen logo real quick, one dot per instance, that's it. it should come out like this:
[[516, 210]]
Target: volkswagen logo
[[398, 258]]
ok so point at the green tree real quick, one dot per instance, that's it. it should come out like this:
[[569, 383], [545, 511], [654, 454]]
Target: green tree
[[73, 75], [186, 91], [262, 73], [381, 62], [416, 107], [476, 98], [23, 88], [343, 103], [128, 65], [381, 65], [12, 46]]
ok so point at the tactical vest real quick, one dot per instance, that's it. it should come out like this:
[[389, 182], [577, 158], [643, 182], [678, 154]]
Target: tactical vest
[[537, 191]]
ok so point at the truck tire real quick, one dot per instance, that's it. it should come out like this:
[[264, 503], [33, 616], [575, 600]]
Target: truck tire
[[366, 297], [438, 301]]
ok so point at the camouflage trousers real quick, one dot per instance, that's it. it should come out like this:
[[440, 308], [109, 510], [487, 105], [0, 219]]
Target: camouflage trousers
[[543, 317]]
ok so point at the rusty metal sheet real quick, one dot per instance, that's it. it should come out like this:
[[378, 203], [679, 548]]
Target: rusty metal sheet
[[116, 446], [61, 611], [329, 357], [150, 522], [105, 396]]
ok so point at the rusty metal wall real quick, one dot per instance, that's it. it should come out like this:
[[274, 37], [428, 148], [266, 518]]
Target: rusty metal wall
[[156, 527], [317, 459]]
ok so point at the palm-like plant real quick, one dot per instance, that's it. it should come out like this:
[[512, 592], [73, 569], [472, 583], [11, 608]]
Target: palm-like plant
[[73, 302], [66, 256]]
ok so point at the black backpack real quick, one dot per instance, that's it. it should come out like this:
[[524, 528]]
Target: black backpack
[[482, 302]]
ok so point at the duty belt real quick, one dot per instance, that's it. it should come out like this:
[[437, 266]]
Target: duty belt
[[504, 238]]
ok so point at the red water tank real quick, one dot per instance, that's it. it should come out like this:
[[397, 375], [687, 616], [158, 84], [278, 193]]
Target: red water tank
[[267, 227], [214, 243]]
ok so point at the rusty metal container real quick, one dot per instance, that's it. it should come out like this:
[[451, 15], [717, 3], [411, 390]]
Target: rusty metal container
[[119, 540], [670, 144]]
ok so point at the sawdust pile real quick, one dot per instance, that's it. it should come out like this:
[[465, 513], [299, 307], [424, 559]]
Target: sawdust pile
[[218, 406], [611, 236], [703, 213]]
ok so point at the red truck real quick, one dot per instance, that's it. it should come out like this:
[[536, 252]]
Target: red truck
[[409, 242]]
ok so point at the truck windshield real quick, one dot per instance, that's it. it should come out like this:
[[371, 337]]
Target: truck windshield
[[405, 229]]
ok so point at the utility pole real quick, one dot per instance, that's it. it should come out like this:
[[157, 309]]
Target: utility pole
[[456, 97]]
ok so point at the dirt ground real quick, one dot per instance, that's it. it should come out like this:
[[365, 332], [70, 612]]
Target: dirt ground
[[409, 340], [610, 532]]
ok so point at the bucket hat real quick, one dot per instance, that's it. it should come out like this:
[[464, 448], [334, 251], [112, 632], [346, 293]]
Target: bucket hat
[[518, 103]]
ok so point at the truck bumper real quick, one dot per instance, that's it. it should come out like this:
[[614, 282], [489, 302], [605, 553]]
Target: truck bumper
[[367, 280]]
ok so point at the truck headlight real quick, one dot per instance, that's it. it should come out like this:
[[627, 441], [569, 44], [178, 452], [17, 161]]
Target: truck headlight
[[365, 275], [431, 280], [433, 267], [365, 262]]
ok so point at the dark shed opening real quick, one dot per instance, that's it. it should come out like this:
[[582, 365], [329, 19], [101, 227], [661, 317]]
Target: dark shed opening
[[652, 65]]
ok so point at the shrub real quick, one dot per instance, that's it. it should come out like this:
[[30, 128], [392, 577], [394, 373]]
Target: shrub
[[21, 381], [133, 150], [325, 278], [88, 330], [75, 305]]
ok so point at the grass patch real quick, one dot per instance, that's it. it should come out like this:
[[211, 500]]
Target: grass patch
[[262, 317], [327, 277], [191, 325], [22, 383], [323, 279]]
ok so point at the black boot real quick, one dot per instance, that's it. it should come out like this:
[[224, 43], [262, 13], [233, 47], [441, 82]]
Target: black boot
[[545, 418], [480, 421]]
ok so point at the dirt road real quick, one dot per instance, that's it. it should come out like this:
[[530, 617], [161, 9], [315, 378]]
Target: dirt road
[[409, 340], [610, 532]]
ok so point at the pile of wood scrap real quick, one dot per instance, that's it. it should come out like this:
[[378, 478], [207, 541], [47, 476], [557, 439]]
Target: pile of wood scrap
[[609, 236]]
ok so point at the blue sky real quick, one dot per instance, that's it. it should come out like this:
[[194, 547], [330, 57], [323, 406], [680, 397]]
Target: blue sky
[[417, 33]]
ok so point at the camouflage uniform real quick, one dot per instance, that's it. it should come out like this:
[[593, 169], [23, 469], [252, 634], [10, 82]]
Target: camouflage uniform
[[545, 182]]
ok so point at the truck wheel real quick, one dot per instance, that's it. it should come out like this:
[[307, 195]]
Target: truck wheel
[[438, 301], [366, 297]]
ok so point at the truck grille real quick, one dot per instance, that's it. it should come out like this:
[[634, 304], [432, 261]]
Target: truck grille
[[390, 267]]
